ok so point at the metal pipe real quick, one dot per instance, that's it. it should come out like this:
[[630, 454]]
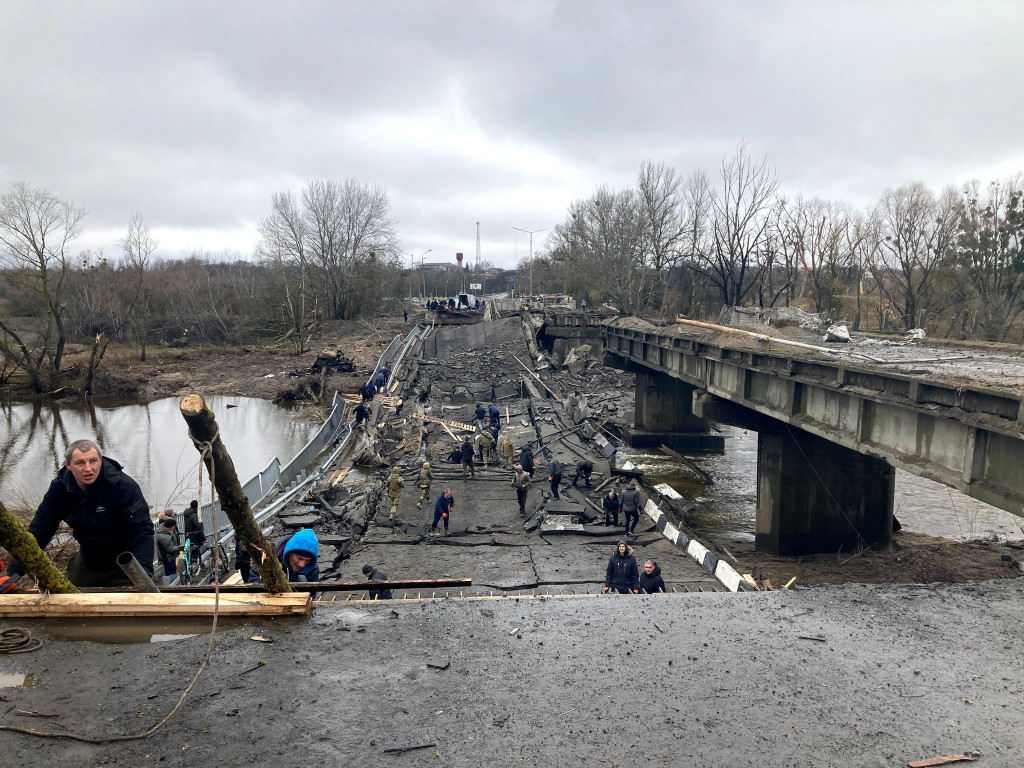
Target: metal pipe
[[310, 586], [142, 580]]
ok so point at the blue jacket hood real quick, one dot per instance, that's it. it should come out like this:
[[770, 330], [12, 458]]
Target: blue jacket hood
[[303, 541]]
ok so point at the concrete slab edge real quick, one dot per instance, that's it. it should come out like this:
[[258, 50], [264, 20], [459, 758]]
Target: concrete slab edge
[[728, 576]]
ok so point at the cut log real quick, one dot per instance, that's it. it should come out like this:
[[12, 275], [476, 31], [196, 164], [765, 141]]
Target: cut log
[[203, 428], [15, 538], [153, 604]]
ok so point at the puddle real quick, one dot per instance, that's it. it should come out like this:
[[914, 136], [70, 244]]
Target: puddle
[[16, 681]]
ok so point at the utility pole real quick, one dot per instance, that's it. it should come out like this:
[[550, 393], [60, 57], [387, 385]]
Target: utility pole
[[478, 246], [423, 273], [531, 233]]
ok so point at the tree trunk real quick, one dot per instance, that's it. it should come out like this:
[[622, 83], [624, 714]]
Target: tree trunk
[[203, 427], [15, 538]]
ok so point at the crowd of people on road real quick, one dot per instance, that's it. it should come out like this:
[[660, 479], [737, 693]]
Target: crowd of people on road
[[453, 303]]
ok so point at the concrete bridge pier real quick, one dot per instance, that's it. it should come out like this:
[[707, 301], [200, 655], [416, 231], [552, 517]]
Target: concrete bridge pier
[[814, 495], [663, 413]]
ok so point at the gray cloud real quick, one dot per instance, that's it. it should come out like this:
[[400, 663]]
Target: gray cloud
[[194, 113]]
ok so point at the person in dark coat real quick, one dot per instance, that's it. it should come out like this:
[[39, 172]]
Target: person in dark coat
[[584, 469], [195, 534], [106, 512], [298, 555], [631, 507], [621, 575], [444, 508], [526, 460], [494, 413], [480, 414], [243, 560], [362, 414], [167, 547], [650, 579], [376, 593], [611, 504], [467, 458], [554, 474]]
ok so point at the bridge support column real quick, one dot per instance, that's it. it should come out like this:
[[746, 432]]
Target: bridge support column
[[663, 413], [814, 495]]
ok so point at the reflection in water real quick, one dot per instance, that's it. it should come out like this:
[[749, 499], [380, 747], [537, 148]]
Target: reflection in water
[[726, 509], [149, 440]]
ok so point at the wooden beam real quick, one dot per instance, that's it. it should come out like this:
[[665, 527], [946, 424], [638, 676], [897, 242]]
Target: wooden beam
[[153, 604], [298, 586]]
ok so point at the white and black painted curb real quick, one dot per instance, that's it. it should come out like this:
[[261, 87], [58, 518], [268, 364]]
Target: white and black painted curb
[[710, 562]]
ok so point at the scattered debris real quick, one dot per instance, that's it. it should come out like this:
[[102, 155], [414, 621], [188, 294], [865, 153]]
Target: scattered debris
[[812, 637], [657, 626], [944, 760], [432, 665], [261, 639], [403, 750]]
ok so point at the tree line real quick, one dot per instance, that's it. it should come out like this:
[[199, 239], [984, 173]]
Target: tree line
[[951, 261], [328, 253]]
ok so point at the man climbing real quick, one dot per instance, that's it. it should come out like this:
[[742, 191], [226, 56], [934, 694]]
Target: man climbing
[[426, 477], [373, 574], [362, 414], [444, 508], [480, 414], [298, 556], [584, 469], [106, 512], [395, 486]]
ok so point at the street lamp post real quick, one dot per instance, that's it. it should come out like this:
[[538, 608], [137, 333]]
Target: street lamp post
[[531, 233], [423, 274]]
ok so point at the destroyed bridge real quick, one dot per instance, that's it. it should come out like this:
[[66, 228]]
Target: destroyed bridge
[[832, 428]]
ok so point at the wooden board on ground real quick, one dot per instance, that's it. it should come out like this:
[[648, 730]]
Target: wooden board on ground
[[154, 604], [446, 422], [338, 476]]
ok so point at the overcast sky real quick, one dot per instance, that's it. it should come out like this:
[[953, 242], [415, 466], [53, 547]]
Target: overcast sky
[[194, 113]]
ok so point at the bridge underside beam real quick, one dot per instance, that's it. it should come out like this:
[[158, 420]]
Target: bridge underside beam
[[816, 496], [663, 413]]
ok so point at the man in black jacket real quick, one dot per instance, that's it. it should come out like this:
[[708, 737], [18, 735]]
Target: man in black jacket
[[107, 515], [376, 593], [195, 534], [526, 460], [467, 458], [554, 474]]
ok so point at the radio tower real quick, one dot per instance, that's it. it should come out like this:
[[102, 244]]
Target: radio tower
[[478, 246]]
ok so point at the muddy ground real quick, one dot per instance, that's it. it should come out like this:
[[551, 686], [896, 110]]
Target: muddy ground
[[852, 676], [251, 371]]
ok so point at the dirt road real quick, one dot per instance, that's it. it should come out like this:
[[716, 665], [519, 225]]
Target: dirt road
[[899, 673]]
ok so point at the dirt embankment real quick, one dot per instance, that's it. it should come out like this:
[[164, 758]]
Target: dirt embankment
[[262, 371]]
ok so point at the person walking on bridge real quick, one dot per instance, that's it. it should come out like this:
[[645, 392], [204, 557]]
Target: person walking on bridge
[[426, 477], [554, 474], [467, 459], [521, 482], [631, 507], [487, 447], [526, 460], [611, 503], [444, 508], [508, 450], [622, 575], [480, 415], [395, 486]]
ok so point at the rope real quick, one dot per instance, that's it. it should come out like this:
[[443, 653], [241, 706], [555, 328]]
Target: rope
[[205, 449], [18, 640]]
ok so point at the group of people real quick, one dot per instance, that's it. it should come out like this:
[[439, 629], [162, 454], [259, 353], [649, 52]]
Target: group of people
[[623, 576], [451, 304], [628, 504]]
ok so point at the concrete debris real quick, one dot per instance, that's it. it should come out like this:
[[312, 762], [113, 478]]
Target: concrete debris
[[838, 333], [915, 334]]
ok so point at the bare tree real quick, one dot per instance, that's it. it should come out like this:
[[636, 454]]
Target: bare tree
[[741, 217], [35, 232], [138, 246], [661, 208], [817, 232], [916, 232], [284, 238]]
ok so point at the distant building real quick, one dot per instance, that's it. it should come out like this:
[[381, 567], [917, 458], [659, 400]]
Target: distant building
[[439, 266]]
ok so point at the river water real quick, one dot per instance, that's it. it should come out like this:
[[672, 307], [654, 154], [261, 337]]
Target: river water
[[726, 509], [150, 440]]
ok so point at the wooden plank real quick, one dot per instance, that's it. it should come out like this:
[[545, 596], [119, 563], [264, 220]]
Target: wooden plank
[[153, 604], [299, 586], [944, 760]]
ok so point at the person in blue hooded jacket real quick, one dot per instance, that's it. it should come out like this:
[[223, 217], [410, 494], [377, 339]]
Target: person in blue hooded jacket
[[298, 555]]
